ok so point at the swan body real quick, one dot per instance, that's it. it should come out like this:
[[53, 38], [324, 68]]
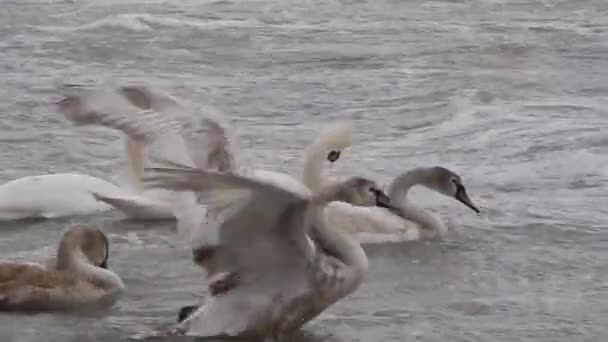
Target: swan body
[[53, 195], [78, 277], [70, 194], [276, 278]]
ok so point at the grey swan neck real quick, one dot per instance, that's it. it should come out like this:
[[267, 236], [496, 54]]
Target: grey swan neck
[[398, 191], [70, 258], [339, 243]]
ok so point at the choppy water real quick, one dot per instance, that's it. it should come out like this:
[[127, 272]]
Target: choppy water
[[510, 94]]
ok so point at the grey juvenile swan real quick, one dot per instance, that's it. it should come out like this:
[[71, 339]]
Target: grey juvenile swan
[[77, 277], [280, 279]]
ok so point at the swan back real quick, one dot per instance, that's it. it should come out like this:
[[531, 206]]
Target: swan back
[[53, 195]]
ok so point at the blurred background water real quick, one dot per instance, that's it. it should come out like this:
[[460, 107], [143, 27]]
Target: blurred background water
[[510, 94]]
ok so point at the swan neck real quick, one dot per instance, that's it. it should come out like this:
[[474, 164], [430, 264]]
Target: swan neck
[[71, 258], [135, 161], [313, 166], [402, 184], [398, 192], [329, 194], [341, 244]]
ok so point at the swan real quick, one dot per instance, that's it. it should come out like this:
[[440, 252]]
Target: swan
[[149, 117], [82, 107], [405, 219], [58, 195], [77, 277], [280, 277]]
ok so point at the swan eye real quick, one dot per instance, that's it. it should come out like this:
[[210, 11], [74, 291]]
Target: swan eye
[[333, 155]]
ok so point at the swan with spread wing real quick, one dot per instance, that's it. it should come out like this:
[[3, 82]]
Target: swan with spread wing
[[279, 278], [150, 118]]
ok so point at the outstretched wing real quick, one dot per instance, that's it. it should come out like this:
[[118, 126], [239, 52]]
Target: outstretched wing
[[250, 207], [146, 117], [134, 110]]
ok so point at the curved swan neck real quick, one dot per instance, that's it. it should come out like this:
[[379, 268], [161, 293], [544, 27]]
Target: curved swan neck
[[338, 242], [400, 186], [337, 136], [135, 162], [331, 193], [398, 190], [71, 258], [313, 166]]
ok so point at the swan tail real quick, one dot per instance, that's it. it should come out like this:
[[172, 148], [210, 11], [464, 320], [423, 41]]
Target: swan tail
[[136, 207], [336, 137]]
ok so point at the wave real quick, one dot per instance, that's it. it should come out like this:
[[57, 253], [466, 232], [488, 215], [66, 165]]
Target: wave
[[145, 22]]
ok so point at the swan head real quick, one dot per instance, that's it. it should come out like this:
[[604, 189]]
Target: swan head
[[365, 192], [89, 241], [450, 184]]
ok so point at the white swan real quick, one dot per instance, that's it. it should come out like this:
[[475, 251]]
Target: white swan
[[69, 194], [78, 277], [279, 278]]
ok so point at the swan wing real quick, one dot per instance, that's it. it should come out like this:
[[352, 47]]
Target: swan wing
[[134, 110], [137, 206], [230, 191], [144, 115], [222, 152], [263, 241]]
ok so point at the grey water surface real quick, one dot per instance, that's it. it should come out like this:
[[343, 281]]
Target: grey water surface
[[510, 94]]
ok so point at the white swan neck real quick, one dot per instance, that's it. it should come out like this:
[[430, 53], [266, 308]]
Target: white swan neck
[[402, 184], [398, 191], [135, 162], [337, 136], [313, 166], [345, 246]]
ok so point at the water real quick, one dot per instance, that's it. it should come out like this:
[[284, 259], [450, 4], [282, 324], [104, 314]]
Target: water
[[510, 94]]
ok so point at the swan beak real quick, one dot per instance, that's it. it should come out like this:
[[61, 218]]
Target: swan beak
[[333, 155], [462, 197], [382, 200], [185, 311]]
